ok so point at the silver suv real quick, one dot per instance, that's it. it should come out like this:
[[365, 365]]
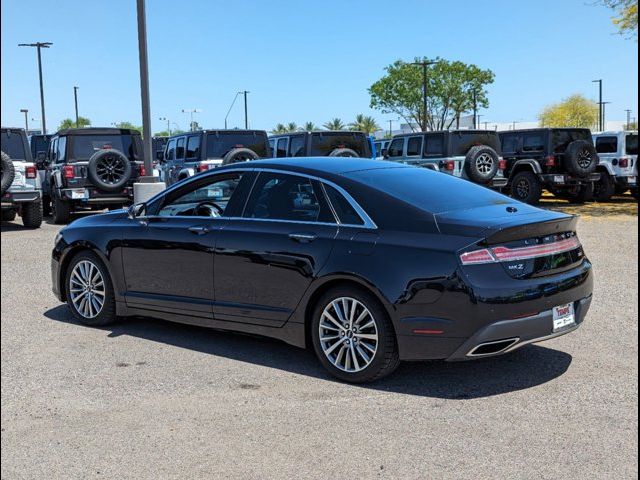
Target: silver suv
[[21, 191], [618, 168]]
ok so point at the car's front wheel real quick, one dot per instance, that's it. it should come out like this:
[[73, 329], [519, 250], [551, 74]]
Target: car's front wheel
[[89, 290], [353, 336]]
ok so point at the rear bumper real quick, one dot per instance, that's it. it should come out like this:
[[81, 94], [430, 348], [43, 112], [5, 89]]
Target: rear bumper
[[561, 179], [11, 198], [499, 182], [96, 197], [630, 181]]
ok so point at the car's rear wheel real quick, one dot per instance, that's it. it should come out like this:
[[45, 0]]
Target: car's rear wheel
[[60, 210], [32, 214], [526, 187], [89, 290], [8, 215], [604, 188], [353, 336]]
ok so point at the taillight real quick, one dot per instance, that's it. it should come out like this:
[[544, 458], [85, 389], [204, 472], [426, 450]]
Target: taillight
[[450, 165], [68, 172], [502, 164], [550, 161], [203, 167], [505, 254], [624, 162], [142, 170], [31, 172]]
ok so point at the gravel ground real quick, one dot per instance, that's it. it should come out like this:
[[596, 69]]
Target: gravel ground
[[148, 399]]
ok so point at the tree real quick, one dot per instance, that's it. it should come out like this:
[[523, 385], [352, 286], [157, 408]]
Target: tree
[[70, 123], [309, 127], [364, 124], [129, 126], [292, 127], [452, 89], [334, 124], [574, 111], [167, 133], [279, 128], [626, 16]]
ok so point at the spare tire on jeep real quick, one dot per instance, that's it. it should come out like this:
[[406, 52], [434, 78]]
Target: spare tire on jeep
[[481, 163], [239, 155], [8, 172], [109, 170], [580, 158], [344, 152]]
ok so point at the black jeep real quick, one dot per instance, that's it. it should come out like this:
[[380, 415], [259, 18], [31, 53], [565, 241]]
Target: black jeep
[[562, 160], [321, 144], [92, 168]]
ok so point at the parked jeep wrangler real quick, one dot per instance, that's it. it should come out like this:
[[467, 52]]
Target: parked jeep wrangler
[[470, 154], [562, 160], [39, 149], [93, 168], [20, 188], [618, 168], [381, 147], [188, 154], [337, 143]]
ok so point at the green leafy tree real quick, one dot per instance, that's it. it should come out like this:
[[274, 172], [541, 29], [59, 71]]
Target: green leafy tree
[[334, 124], [574, 111], [365, 124], [167, 133], [632, 126], [626, 16], [309, 127], [279, 128], [71, 123], [452, 89], [129, 126], [292, 127]]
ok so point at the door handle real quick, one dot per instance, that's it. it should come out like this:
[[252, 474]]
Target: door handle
[[303, 237], [199, 230]]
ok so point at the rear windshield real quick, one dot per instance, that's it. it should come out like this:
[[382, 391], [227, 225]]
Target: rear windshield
[[13, 145], [461, 142], [322, 144], [84, 146], [632, 144], [219, 144], [560, 139], [426, 189], [39, 144], [607, 144]]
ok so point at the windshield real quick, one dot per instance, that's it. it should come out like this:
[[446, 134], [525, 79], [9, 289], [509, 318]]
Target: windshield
[[632, 144], [322, 144], [219, 144], [461, 142], [13, 145], [84, 146]]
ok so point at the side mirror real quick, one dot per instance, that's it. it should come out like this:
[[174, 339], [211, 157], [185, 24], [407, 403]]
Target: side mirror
[[136, 210]]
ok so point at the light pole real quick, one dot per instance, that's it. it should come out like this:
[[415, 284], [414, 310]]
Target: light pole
[[165, 119], [26, 120], [39, 46], [246, 116], [191, 111], [600, 105], [75, 100], [144, 90], [390, 128], [628, 119], [604, 118], [477, 125], [486, 125], [424, 64], [229, 111]]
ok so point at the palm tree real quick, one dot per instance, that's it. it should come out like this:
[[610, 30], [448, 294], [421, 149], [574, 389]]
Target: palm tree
[[334, 124], [309, 127], [279, 128], [365, 124], [292, 127]]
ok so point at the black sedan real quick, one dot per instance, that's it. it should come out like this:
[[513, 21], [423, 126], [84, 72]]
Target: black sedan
[[368, 261]]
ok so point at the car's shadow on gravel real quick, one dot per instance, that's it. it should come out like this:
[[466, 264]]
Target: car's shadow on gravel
[[528, 367]]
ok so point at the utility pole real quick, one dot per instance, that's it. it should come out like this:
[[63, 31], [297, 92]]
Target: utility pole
[[246, 116], [39, 46], [424, 64], [191, 111], [475, 108], [390, 128], [144, 89], [486, 125], [600, 105], [628, 119], [168, 124], [75, 99], [477, 125], [26, 120]]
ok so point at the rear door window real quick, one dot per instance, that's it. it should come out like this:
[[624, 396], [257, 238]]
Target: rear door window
[[631, 147], [296, 146], [607, 144], [395, 148], [347, 215], [193, 147], [281, 147], [434, 146], [509, 144], [533, 142], [414, 146], [180, 149], [171, 150]]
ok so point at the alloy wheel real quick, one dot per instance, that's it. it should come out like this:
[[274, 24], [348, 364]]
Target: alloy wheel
[[523, 189], [348, 334], [584, 159], [484, 163], [111, 169], [87, 289]]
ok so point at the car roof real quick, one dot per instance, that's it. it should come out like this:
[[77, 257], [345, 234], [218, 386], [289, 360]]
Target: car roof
[[543, 129], [316, 166], [315, 131], [98, 131], [218, 130]]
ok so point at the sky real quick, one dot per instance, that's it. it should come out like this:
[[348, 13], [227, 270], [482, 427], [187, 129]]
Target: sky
[[301, 60]]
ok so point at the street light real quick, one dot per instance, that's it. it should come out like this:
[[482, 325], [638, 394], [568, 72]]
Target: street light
[[191, 111], [165, 119], [246, 116], [229, 111], [628, 119], [75, 101], [424, 64], [26, 120], [39, 46], [600, 105], [604, 121]]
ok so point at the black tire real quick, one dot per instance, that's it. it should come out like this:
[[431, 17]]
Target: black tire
[[8, 215], [621, 190], [634, 193], [107, 314], [60, 210], [237, 155], [604, 188], [584, 194], [344, 152], [32, 214], [385, 359], [580, 158], [109, 170], [46, 205], [526, 187], [481, 164], [8, 173]]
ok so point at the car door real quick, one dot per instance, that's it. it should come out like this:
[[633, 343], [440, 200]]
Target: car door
[[167, 253], [266, 259]]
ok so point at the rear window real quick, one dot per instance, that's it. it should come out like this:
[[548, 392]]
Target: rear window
[[428, 190], [632, 144], [322, 144], [39, 144], [13, 145], [461, 142], [84, 146], [219, 144], [560, 139], [607, 144]]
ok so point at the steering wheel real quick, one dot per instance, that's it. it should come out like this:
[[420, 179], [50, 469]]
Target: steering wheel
[[208, 208]]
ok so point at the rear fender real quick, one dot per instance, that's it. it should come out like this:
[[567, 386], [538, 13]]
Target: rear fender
[[526, 164]]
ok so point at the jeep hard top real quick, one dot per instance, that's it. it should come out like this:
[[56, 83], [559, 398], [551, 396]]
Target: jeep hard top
[[330, 143]]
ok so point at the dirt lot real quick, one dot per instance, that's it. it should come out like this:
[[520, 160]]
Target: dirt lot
[[147, 399]]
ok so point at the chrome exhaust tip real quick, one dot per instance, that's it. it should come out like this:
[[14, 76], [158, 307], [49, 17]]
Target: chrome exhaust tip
[[493, 348]]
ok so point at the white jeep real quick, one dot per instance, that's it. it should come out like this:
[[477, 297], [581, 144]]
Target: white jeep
[[618, 153], [21, 190]]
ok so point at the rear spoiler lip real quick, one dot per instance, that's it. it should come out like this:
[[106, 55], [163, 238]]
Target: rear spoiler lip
[[518, 230]]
